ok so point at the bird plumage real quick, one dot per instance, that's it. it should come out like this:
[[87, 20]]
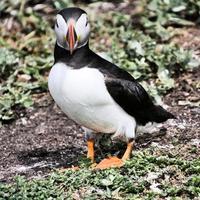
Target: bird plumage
[[94, 92], [123, 88]]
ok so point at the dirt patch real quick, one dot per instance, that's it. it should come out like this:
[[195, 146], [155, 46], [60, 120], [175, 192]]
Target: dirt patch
[[43, 138], [188, 38]]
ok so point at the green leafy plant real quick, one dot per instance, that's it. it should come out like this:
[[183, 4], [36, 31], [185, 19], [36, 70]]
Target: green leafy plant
[[158, 15], [144, 57], [143, 176]]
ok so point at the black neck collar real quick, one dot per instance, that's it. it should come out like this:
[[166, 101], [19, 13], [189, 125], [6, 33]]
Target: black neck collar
[[79, 56]]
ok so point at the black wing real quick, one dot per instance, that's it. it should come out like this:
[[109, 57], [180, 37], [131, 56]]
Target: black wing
[[129, 94], [132, 97]]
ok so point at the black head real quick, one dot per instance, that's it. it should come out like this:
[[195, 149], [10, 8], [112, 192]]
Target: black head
[[72, 28], [72, 12]]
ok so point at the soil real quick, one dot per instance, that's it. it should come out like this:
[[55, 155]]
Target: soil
[[43, 138]]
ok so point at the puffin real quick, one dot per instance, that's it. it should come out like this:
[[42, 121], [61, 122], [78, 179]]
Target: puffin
[[95, 93]]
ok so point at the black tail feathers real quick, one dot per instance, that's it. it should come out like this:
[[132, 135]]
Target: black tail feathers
[[159, 114]]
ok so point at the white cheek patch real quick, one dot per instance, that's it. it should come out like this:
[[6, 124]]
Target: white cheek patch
[[60, 24], [81, 23], [61, 30], [82, 28]]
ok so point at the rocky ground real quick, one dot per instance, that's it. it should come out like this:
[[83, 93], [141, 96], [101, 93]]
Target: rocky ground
[[43, 138]]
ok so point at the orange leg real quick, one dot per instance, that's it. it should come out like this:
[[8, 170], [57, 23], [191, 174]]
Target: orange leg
[[114, 161], [90, 154], [128, 151]]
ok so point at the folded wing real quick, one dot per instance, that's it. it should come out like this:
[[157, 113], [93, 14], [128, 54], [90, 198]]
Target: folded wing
[[132, 97]]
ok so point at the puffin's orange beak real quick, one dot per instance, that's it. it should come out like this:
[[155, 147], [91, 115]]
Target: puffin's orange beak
[[71, 36]]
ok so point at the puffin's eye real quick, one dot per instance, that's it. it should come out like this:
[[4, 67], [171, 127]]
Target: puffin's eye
[[57, 24], [60, 23], [86, 21]]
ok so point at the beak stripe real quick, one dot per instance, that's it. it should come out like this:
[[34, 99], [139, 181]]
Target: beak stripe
[[71, 36]]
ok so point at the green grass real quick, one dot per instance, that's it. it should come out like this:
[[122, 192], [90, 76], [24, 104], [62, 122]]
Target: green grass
[[144, 175]]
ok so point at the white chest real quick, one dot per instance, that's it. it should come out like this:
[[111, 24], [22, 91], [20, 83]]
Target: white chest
[[82, 95], [84, 86]]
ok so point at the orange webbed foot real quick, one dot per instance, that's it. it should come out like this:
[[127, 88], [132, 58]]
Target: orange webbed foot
[[109, 163]]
